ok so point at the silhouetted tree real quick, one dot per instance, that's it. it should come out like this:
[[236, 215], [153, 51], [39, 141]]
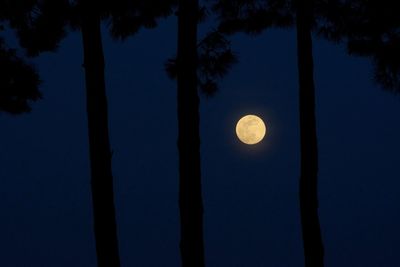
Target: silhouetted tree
[[312, 239], [190, 192], [126, 18], [198, 66], [41, 28], [253, 16], [99, 142]]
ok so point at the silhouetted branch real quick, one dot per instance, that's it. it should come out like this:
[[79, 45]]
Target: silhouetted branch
[[215, 59]]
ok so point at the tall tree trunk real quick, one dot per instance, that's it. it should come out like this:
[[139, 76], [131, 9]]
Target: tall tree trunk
[[105, 229], [190, 196], [312, 240]]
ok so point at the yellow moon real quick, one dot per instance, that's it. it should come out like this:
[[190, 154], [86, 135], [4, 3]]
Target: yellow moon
[[250, 129]]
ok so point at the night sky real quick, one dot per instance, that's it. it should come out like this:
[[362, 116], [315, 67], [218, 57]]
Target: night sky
[[250, 192]]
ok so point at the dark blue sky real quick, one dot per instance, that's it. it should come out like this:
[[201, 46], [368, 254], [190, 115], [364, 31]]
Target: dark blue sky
[[250, 193]]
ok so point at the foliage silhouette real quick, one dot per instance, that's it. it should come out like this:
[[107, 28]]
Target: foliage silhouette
[[41, 27], [370, 29], [215, 59], [127, 17], [19, 81]]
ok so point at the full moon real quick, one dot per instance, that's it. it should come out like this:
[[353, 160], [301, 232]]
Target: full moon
[[250, 129]]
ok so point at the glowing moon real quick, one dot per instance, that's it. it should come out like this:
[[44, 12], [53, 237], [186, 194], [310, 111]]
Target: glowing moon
[[250, 129]]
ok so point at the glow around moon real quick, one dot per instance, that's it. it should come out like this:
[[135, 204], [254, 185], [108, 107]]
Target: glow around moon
[[250, 129]]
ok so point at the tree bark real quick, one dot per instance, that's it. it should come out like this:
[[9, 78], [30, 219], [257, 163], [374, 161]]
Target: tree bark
[[190, 194], [105, 229], [308, 191]]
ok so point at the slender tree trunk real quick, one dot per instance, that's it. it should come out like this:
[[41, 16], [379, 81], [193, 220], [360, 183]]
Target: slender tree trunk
[[190, 196], [312, 240], [105, 229]]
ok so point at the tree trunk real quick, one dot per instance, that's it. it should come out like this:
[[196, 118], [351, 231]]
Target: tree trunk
[[105, 229], [312, 240], [190, 196]]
